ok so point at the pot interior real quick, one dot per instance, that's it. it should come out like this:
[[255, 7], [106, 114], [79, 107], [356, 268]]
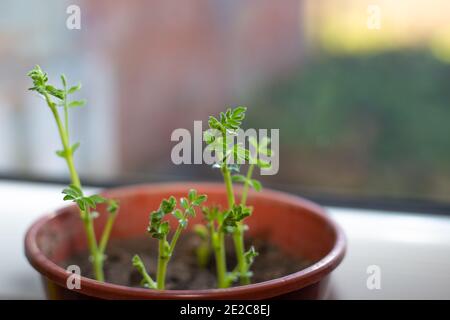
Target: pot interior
[[295, 225]]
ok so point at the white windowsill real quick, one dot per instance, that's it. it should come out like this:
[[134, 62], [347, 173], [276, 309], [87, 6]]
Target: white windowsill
[[413, 251]]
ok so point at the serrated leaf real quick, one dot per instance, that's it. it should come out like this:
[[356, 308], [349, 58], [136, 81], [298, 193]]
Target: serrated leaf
[[68, 197], [199, 200], [97, 198], [168, 205], [91, 203], [57, 93]]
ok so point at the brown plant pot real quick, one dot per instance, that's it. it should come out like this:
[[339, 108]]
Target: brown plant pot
[[298, 226]]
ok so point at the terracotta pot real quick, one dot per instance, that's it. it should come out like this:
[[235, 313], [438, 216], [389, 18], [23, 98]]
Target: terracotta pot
[[301, 228]]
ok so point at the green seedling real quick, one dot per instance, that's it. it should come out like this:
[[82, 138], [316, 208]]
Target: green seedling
[[56, 99], [231, 221], [159, 229]]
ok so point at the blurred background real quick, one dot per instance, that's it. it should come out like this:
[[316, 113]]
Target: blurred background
[[360, 90]]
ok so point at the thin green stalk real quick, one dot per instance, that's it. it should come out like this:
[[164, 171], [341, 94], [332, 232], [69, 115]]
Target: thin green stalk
[[229, 185], [238, 235], [66, 107], [97, 257], [238, 239], [175, 238], [166, 254], [106, 233], [65, 142], [148, 279], [97, 260], [218, 242], [163, 259], [247, 184]]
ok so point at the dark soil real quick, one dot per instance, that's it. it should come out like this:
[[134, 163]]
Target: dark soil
[[183, 271]]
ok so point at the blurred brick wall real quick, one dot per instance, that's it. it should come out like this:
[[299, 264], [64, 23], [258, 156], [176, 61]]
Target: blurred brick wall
[[178, 61]]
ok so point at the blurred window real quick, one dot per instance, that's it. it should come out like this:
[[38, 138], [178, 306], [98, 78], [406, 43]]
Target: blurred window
[[359, 90]]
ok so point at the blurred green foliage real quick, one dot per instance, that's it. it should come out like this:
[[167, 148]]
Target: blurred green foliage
[[394, 107]]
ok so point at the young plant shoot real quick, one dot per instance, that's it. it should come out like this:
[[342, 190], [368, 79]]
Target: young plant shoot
[[56, 99], [159, 229], [231, 221]]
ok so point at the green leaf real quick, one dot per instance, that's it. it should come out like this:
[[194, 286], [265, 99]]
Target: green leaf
[[60, 153], [263, 164], [77, 103], [74, 88], [164, 228], [250, 256], [199, 200], [210, 214], [178, 214], [184, 203], [97, 198], [190, 211], [64, 80], [192, 195], [256, 185], [82, 205], [75, 147], [113, 206], [73, 190], [238, 178], [168, 206], [208, 137], [57, 93], [228, 120], [90, 202], [137, 262], [235, 215]]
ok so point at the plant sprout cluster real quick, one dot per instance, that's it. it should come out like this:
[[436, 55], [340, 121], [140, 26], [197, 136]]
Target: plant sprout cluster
[[219, 222]]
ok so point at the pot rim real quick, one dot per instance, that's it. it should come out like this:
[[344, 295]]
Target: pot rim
[[260, 290]]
